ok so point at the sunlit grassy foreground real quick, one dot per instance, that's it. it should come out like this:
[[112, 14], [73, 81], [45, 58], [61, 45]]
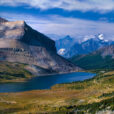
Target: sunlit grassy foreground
[[81, 97]]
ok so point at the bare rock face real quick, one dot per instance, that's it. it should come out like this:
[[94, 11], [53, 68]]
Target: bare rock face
[[20, 43], [3, 20], [107, 51]]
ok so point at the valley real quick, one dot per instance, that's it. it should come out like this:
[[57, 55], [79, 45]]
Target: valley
[[26, 54], [89, 96], [19, 43]]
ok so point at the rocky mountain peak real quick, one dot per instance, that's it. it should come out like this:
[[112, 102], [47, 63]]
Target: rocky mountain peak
[[68, 37], [101, 36], [19, 30], [107, 51], [20, 43], [2, 20], [98, 37]]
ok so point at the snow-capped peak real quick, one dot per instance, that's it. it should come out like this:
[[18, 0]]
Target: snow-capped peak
[[95, 37], [61, 51], [87, 37], [101, 36]]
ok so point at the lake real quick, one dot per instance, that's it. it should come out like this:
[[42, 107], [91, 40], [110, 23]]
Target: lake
[[44, 82]]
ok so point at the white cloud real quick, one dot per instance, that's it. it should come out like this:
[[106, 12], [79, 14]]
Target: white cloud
[[83, 5], [65, 26]]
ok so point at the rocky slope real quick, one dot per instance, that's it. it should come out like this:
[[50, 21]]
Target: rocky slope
[[2, 20], [20, 43], [85, 47], [100, 59], [64, 44]]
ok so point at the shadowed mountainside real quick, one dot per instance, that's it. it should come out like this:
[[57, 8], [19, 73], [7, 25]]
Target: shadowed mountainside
[[20, 43], [2, 20], [100, 59]]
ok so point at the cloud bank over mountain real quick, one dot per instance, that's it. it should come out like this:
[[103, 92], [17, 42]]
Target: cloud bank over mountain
[[62, 25], [77, 18], [83, 5]]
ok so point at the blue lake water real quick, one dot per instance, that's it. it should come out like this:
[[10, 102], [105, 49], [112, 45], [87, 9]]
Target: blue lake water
[[44, 82]]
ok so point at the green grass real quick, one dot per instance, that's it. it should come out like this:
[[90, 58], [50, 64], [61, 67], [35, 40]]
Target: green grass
[[107, 104], [12, 71], [107, 94], [91, 96]]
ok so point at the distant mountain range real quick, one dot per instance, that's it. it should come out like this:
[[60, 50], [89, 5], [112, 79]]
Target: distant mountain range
[[100, 59], [55, 36], [20, 43], [64, 44], [68, 47]]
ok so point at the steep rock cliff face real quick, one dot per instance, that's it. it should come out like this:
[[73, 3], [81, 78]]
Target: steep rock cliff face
[[20, 43], [3, 20]]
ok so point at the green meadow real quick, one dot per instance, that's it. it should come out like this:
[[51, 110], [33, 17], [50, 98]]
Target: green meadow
[[89, 96]]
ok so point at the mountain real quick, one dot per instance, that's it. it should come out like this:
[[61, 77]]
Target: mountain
[[87, 46], [20, 43], [54, 37], [74, 50], [100, 59], [64, 44], [94, 43], [2, 20]]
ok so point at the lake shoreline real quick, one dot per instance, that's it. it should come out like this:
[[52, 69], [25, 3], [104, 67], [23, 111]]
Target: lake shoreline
[[44, 82], [64, 97], [19, 80]]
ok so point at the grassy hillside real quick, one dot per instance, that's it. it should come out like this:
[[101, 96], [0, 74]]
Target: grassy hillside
[[13, 71], [17, 72], [93, 61], [90, 96]]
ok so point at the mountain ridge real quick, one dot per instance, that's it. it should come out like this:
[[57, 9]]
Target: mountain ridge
[[88, 45], [20, 43], [2, 20], [103, 58]]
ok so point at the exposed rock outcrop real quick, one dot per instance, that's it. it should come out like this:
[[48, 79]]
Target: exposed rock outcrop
[[107, 51], [20, 43], [2, 20]]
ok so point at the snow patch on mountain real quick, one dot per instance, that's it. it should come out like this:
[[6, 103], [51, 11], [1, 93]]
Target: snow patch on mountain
[[95, 37], [87, 37], [61, 51], [101, 36]]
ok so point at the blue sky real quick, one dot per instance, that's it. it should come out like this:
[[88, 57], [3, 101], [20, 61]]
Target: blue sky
[[77, 18]]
